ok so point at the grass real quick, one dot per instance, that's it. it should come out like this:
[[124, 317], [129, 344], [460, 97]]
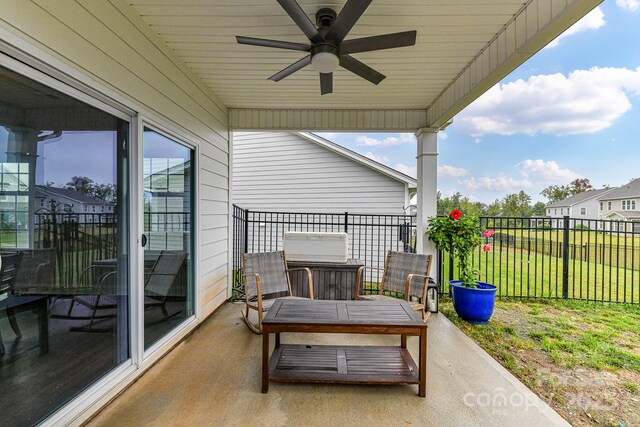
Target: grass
[[520, 273], [581, 357]]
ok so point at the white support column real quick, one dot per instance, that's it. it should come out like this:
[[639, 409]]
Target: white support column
[[427, 161]]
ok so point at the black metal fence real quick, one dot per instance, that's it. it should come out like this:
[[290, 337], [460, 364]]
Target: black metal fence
[[566, 258], [77, 241], [370, 236]]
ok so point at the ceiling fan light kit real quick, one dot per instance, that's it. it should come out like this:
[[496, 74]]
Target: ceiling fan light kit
[[328, 49]]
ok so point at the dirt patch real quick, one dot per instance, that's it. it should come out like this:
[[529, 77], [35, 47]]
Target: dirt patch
[[546, 345]]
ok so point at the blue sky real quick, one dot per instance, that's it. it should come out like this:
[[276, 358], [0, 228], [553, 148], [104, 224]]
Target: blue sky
[[572, 110]]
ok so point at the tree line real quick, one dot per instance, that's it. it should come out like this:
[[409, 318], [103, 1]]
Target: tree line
[[513, 205]]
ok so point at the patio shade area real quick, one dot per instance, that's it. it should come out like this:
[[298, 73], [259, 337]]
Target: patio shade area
[[213, 378]]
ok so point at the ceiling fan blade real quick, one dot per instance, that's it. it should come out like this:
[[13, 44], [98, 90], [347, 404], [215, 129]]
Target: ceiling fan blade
[[326, 83], [301, 19], [273, 43], [347, 18], [385, 41], [364, 71], [298, 65]]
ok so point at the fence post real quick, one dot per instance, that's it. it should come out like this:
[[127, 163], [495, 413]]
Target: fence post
[[565, 258], [346, 222], [246, 231]]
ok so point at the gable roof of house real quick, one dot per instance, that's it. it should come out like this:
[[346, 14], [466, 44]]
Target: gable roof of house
[[623, 214], [42, 190], [359, 158], [580, 197], [626, 191]]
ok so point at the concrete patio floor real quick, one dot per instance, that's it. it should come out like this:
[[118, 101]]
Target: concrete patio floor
[[213, 378]]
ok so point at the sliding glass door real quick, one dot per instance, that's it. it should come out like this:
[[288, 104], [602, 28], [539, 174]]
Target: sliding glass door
[[64, 239], [168, 234]]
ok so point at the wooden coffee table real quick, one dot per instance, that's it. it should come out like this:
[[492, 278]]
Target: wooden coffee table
[[343, 364]]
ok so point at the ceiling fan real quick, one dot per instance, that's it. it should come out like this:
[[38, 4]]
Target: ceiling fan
[[328, 49]]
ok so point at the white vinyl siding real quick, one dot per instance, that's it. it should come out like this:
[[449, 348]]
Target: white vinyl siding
[[107, 42], [281, 171]]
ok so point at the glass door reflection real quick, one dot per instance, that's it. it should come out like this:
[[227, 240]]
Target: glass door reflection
[[168, 222]]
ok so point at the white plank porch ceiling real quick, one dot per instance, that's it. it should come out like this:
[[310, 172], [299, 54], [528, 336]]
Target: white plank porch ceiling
[[451, 34]]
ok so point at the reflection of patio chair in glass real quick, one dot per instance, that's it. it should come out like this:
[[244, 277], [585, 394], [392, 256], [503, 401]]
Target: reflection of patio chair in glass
[[37, 271], [8, 273], [99, 296], [406, 274], [266, 278], [160, 279]]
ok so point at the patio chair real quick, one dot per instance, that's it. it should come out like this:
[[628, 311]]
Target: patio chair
[[266, 277], [405, 274]]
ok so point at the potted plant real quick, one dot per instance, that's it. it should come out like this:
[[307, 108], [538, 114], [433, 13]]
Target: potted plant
[[459, 235]]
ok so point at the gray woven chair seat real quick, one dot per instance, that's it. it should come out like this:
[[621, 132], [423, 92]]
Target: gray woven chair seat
[[269, 271], [399, 268], [377, 298]]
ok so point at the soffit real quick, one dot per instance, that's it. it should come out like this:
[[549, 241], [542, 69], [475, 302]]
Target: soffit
[[451, 34]]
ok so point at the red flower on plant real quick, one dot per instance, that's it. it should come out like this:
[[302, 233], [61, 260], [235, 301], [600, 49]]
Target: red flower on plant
[[455, 214], [486, 248], [488, 233]]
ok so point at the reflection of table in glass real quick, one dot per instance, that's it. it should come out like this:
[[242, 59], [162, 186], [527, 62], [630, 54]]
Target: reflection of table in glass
[[343, 364]]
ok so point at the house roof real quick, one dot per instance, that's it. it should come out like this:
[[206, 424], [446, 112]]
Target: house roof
[[359, 158], [627, 191], [624, 214], [462, 49], [580, 197], [44, 191]]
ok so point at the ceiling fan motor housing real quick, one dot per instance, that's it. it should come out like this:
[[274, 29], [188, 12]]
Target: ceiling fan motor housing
[[325, 17]]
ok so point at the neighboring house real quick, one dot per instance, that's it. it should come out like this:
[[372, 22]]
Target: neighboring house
[[88, 208], [582, 206], [622, 207], [302, 172]]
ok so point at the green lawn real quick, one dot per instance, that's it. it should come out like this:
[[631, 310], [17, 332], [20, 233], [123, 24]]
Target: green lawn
[[520, 273], [583, 358]]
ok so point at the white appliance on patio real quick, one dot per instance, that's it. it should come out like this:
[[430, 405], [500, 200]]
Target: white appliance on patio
[[316, 246]]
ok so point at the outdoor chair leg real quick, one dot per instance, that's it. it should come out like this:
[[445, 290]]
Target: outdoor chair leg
[[245, 316]]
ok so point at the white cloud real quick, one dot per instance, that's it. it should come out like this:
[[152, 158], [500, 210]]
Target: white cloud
[[540, 170], [375, 157], [448, 170], [631, 5], [501, 184], [407, 170], [585, 101], [442, 135], [591, 21], [327, 135], [402, 138]]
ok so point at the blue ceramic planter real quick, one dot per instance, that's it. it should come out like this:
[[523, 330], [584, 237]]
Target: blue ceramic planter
[[475, 305]]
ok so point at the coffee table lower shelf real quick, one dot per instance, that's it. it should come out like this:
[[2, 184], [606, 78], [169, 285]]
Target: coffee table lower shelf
[[342, 364]]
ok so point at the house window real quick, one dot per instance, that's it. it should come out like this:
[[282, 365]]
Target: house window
[[628, 205], [555, 211], [609, 206], [601, 205], [583, 211], [548, 211]]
